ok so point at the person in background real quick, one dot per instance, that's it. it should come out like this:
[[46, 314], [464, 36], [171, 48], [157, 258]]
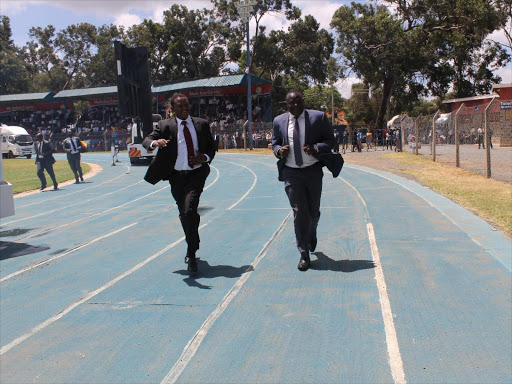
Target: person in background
[[44, 161], [72, 146]]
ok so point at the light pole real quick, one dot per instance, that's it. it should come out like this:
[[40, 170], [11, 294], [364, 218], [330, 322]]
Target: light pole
[[245, 8]]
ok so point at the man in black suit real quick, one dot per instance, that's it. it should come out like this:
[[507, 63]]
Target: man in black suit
[[44, 160], [72, 147], [185, 148], [303, 140]]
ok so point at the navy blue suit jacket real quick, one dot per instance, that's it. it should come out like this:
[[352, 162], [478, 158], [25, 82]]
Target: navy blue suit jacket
[[318, 131]]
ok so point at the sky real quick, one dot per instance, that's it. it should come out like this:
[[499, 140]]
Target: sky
[[25, 14]]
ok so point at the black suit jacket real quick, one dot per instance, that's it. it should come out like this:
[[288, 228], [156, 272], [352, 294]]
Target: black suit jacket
[[165, 159], [318, 132], [47, 152]]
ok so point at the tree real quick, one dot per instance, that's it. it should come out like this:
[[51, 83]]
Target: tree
[[227, 9], [14, 77], [74, 44], [101, 69], [323, 98], [61, 56], [426, 47], [455, 32], [376, 47], [192, 43]]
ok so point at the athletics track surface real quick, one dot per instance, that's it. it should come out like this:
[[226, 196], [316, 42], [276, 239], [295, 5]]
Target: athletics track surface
[[405, 285]]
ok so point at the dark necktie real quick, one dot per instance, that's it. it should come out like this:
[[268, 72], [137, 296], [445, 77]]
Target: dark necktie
[[73, 144], [190, 143], [296, 144]]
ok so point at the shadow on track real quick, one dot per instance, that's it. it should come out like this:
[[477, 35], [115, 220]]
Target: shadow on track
[[8, 249], [325, 263], [207, 271]]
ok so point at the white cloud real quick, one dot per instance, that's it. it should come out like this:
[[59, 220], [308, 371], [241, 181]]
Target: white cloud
[[344, 86], [13, 7], [505, 73], [321, 11], [127, 20]]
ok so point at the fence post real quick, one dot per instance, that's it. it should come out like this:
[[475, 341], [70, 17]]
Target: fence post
[[434, 139], [487, 136], [457, 155], [416, 133]]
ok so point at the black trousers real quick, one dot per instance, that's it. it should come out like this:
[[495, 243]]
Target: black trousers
[[304, 190], [43, 165], [186, 188], [74, 163]]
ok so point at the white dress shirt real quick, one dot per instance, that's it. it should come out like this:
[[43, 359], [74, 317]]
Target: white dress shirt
[[40, 147], [72, 141], [182, 158], [290, 159]]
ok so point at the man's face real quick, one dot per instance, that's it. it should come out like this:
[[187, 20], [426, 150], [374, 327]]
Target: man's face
[[181, 108], [295, 103]]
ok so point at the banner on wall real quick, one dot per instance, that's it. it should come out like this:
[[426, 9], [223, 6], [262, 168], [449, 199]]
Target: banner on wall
[[36, 107]]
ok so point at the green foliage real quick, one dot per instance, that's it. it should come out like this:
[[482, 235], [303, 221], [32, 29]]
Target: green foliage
[[14, 77], [323, 98], [423, 48]]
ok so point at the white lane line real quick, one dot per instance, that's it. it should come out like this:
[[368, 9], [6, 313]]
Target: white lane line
[[249, 190], [65, 253], [82, 245], [111, 283], [73, 205], [96, 214], [427, 201], [193, 345], [53, 319], [395, 358], [71, 193]]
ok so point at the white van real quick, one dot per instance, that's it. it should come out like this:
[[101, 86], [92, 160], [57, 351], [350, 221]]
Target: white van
[[15, 141]]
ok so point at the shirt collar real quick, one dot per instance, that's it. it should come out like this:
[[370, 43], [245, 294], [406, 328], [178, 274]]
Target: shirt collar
[[188, 120], [301, 116]]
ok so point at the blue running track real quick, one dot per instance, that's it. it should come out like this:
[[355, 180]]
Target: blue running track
[[405, 286]]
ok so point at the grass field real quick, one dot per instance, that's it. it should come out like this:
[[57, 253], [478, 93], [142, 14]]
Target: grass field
[[487, 198], [22, 173]]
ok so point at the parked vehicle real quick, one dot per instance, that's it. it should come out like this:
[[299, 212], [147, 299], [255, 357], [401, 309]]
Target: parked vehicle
[[15, 141]]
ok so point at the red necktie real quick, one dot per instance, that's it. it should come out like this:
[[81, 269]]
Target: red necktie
[[190, 143]]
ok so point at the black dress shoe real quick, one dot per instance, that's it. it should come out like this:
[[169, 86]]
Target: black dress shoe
[[41, 188], [192, 264], [304, 264], [312, 244]]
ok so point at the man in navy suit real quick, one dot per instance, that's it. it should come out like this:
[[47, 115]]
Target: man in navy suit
[[303, 140], [185, 148], [44, 160]]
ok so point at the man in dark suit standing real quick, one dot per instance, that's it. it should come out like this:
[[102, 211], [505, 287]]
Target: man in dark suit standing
[[185, 148], [303, 140], [44, 160], [72, 147]]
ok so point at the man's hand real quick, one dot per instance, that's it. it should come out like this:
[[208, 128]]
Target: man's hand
[[309, 149], [196, 160], [284, 151], [160, 143]]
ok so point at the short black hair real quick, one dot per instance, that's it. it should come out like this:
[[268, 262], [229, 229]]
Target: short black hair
[[175, 96], [294, 91]]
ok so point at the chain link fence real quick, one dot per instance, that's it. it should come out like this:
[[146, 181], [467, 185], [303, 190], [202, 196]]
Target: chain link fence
[[476, 138]]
